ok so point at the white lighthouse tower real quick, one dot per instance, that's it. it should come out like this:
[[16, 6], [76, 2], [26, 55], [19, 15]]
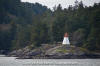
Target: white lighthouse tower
[[66, 40]]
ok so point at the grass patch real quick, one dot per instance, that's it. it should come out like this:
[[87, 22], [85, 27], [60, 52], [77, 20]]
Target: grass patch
[[62, 50]]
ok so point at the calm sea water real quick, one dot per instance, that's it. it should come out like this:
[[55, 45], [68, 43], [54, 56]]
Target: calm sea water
[[12, 61]]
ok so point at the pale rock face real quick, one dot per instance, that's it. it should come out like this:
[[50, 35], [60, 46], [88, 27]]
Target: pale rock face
[[66, 41]]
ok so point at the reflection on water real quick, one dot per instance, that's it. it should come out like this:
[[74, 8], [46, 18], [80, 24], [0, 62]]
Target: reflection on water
[[11, 61]]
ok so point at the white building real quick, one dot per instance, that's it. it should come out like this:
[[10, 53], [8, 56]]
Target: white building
[[66, 39]]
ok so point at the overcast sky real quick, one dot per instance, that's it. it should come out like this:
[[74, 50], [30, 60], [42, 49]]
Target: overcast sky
[[64, 3]]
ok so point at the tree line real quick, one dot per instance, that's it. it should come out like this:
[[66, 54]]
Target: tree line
[[23, 24]]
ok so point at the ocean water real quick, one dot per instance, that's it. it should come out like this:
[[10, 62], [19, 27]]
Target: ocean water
[[12, 61]]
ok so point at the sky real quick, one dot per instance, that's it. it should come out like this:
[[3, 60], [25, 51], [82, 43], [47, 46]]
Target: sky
[[64, 3]]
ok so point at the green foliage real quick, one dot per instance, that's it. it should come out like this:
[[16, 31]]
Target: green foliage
[[39, 34], [93, 40]]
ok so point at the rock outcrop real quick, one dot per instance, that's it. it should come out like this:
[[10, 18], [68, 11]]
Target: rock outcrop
[[53, 52]]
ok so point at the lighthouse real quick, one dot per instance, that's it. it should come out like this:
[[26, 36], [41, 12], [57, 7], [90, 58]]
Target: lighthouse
[[66, 40]]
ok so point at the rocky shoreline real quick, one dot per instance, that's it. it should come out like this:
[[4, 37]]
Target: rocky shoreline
[[54, 52], [63, 57]]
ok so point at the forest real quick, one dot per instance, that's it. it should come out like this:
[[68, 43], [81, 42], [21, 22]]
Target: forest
[[23, 24]]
